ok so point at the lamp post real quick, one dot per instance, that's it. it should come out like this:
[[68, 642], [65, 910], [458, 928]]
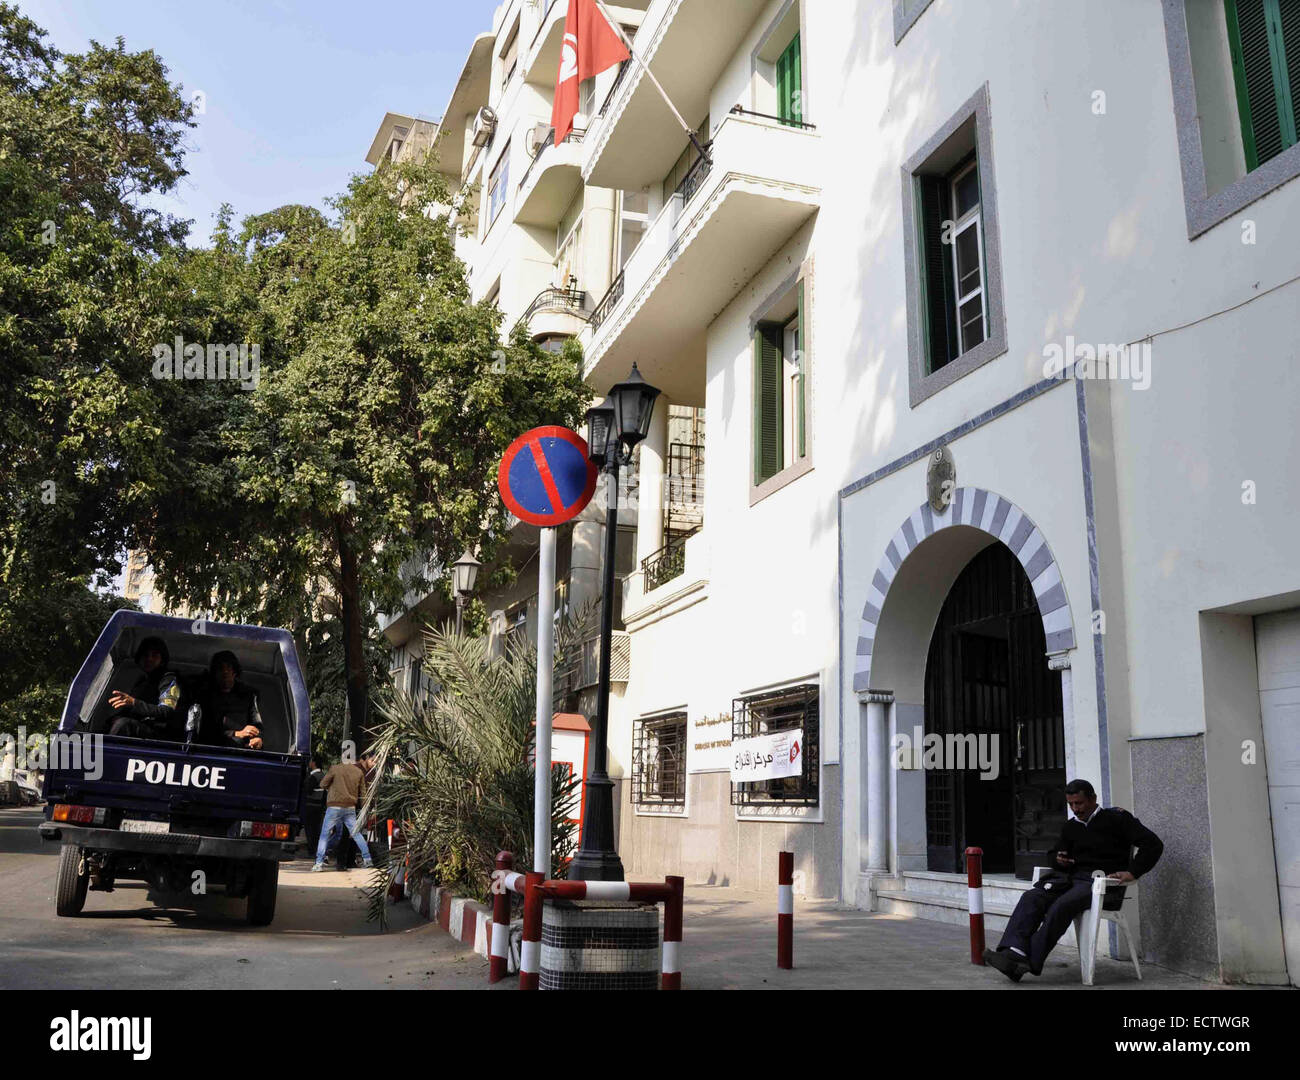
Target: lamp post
[[613, 430], [464, 572]]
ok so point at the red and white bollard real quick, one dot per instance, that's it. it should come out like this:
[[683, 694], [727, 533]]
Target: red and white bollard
[[530, 957], [785, 911], [499, 945], [975, 889], [672, 966]]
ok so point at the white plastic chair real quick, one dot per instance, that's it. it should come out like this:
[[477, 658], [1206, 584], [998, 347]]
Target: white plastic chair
[[1087, 923]]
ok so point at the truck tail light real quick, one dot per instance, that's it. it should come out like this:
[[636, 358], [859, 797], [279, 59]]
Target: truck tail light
[[264, 830], [79, 815]]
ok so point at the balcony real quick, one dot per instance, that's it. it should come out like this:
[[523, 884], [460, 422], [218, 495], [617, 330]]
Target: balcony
[[671, 580], [688, 44], [728, 218], [542, 59], [556, 311], [550, 182], [582, 669]]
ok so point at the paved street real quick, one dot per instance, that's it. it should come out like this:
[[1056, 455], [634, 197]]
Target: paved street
[[729, 942], [320, 938]]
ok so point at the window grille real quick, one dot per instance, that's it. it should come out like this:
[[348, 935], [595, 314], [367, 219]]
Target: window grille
[[659, 761], [781, 710]]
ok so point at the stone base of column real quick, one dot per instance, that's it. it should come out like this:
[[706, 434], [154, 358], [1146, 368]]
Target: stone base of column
[[600, 945], [871, 882]]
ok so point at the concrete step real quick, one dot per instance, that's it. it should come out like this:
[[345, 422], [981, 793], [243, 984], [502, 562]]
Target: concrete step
[[941, 908], [997, 890]]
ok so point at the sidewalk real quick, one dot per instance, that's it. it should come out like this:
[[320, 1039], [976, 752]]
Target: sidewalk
[[729, 943]]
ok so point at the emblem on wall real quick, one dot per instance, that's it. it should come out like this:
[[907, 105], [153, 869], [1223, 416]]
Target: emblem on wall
[[940, 479]]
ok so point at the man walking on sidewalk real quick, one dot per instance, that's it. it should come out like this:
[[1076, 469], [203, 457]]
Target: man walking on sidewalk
[[1094, 838], [345, 788]]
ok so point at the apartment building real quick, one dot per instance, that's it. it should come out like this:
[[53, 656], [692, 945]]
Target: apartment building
[[543, 245], [911, 217]]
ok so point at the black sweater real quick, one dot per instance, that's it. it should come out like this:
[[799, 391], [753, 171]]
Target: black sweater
[[1105, 842]]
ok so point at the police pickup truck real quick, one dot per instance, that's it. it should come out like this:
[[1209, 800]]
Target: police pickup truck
[[168, 802]]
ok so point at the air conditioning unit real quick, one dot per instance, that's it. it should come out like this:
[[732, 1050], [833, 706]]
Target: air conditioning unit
[[485, 123], [536, 138]]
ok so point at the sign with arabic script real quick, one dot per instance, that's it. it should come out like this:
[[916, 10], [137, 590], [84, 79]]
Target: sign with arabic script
[[767, 757]]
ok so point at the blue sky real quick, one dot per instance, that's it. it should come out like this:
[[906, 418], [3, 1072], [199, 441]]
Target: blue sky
[[295, 89]]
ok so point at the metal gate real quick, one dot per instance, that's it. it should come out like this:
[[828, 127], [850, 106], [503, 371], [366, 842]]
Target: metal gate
[[987, 676]]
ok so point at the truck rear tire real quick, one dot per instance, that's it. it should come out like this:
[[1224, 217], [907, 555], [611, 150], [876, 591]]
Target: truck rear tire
[[264, 879], [73, 880]]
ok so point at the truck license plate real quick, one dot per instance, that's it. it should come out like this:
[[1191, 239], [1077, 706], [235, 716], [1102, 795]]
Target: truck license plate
[[136, 825]]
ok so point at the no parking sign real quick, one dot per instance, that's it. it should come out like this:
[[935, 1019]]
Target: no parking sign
[[545, 477]]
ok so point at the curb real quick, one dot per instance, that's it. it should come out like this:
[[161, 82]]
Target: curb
[[468, 921]]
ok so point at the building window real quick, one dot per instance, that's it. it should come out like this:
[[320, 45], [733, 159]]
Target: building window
[[783, 710], [659, 761], [684, 174], [510, 56], [1264, 38], [552, 343], [954, 289], [498, 182], [906, 12], [568, 245], [789, 84], [780, 431], [517, 626], [634, 218], [1236, 79]]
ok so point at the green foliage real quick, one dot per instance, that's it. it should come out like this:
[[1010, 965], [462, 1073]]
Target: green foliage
[[44, 650], [84, 140], [457, 773]]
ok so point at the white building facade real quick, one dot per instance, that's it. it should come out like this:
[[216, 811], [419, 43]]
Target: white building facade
[[911, 217]]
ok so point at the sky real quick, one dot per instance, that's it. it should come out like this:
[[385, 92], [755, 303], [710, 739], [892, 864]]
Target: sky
[[293, 90]]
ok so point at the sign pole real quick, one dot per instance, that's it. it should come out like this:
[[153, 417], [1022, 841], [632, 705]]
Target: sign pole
[[545, 709]]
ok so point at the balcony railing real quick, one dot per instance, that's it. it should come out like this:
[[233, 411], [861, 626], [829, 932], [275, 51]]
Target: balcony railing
[[666, 563], [740, 110], [618, 81], [576, 135], [608, 302], [565, 301], [695, 176]]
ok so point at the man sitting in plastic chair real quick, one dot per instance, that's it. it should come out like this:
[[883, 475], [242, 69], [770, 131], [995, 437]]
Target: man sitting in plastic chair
[[1094, 838]]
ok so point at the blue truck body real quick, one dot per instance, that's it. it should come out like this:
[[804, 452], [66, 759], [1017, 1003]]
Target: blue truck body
[[176, 811]]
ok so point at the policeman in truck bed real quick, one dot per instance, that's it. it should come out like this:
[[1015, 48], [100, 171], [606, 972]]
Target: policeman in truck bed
[[230, 716], [149, 711]]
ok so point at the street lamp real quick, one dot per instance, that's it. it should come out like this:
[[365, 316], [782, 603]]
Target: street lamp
[[464, 572], [613, 429]]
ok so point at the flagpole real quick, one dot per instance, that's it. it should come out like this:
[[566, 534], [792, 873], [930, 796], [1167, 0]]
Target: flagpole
[[690, 132]]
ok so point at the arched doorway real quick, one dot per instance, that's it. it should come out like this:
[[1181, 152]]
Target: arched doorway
[[986, 676]]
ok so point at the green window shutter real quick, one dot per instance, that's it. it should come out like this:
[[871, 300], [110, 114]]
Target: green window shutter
[[789, 82], [939, 301], [801, 398], [1289, 44], [767, 402], [1264, 41]]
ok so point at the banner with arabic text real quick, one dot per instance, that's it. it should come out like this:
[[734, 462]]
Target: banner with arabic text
[[767, 757]]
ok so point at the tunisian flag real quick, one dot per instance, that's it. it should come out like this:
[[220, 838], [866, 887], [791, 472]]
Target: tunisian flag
[[590, 46]]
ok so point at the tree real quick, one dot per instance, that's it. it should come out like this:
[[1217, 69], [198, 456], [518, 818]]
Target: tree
[[366, 455], [84, 140]]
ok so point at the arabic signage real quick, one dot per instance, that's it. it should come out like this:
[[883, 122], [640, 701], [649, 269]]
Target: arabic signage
[[768, 757], [709, 748]]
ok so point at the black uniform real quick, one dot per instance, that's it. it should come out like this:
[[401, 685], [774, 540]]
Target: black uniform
[[1103, 843], [225, 712], [154, 714]]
